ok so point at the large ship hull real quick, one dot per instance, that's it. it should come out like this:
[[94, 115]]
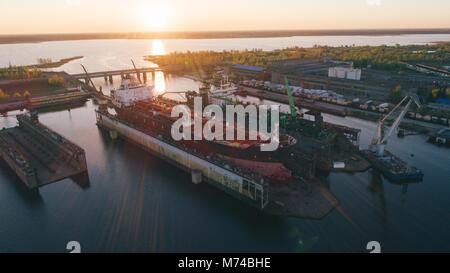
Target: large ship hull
[[243, 185], [152, 121]]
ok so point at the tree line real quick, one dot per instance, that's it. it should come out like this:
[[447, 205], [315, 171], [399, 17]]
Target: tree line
[[19, 73], [382, 57]]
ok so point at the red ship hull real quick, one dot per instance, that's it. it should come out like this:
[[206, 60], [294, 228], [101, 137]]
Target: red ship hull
[[250, 157]]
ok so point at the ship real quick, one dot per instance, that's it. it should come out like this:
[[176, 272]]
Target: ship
[[237, 168], [225, 89], [140, 113], [135, 104]]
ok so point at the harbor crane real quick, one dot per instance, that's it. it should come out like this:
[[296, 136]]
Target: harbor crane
[[89, 79], [137, 72], [294, 109], [382, 135]]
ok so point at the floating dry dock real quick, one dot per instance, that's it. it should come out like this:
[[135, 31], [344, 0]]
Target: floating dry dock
[[306, 199], [38, 155]]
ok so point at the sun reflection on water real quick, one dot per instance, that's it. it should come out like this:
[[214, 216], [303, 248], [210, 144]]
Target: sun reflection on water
[[158, 47], [159, 82]]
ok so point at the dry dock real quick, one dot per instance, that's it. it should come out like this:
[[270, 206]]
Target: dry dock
[[305, 199], [38, 155]]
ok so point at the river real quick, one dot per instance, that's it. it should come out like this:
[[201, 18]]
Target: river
[[138, 203]]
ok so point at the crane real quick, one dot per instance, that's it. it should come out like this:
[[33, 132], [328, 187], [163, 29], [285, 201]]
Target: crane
[[381, 137], [89, 78], [137, 72], [292, 106]]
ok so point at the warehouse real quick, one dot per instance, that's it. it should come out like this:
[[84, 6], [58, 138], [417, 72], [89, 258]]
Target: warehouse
[[246, 72]]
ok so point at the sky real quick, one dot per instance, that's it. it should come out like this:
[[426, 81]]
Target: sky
[[91, 16]]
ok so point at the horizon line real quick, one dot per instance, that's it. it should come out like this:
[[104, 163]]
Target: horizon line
[[218, 34], [231, 30]]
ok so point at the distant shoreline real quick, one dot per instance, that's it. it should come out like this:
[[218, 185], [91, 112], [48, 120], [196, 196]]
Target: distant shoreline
[[38, 38]]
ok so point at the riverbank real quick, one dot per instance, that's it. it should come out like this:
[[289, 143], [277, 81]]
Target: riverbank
[[38, 38], [37, 87], [54, 64]]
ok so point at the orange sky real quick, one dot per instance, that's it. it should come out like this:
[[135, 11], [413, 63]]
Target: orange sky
[[75, 16]]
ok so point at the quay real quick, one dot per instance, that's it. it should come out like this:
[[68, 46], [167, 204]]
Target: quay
[[411, 120], [262, 94], [38, 155], [69, 98]]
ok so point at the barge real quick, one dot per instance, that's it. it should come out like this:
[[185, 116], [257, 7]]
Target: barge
[[392, 167]]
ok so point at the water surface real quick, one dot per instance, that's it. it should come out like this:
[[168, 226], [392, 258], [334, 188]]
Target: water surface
[[137, 203]]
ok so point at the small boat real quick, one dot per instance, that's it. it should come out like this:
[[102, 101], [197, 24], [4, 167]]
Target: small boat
[[226, 88]]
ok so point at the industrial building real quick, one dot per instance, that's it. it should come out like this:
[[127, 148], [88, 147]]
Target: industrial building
[[326, 74], [318, 67], [246, 72], [344, 73]]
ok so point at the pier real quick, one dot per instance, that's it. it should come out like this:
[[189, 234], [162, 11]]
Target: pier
[[107, 75], [38, 155]]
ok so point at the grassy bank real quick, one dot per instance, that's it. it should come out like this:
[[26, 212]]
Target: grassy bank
[[34, 70]]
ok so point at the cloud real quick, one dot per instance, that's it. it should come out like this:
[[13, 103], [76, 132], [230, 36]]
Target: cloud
[[73, 3], [374, 2]]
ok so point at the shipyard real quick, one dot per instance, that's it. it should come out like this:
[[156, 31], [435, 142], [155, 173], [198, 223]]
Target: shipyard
[[283, 182], [205, 142]]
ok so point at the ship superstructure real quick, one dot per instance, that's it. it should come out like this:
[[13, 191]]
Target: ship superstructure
[[130, 92]]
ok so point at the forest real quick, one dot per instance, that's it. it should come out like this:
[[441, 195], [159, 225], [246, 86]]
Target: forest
[[380, 57]]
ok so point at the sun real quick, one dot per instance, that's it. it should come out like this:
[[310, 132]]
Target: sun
[[155, 17]]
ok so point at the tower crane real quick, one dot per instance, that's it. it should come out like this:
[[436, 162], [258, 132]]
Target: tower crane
[[382, 135]]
